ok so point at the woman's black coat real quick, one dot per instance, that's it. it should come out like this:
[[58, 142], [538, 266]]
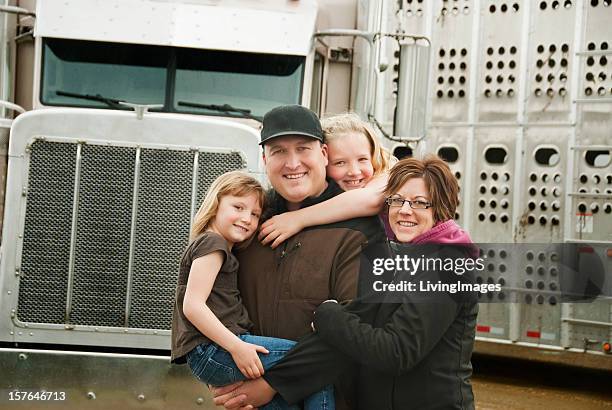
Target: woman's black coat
[[412, 355]]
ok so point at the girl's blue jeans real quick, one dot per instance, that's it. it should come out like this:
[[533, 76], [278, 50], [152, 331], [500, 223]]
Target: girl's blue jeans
[[213, 365]]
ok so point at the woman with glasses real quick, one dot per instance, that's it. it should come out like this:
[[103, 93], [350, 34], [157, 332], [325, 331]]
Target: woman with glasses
[[411, 348]]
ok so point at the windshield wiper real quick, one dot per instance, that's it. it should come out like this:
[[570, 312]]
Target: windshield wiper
[[111, 102], [243, 112]]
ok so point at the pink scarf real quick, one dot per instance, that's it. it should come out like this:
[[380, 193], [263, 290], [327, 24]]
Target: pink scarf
[[447, 232]]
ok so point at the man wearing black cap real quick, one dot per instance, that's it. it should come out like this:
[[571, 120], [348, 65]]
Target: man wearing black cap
[[282, 287]]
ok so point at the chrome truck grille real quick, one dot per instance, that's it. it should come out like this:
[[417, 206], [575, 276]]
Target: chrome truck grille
[[104, 230]]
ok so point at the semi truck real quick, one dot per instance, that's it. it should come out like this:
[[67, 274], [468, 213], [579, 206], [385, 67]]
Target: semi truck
[[118, 114]]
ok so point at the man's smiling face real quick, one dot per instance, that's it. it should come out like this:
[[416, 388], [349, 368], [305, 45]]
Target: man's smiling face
[[296, 167]]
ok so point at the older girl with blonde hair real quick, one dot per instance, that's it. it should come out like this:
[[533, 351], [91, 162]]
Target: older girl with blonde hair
[[356, 159]]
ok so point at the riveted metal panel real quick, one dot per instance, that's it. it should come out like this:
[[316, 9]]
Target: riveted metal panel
[[162, 232], [103, 235], [494, 156], [541, 200], [452, 34], [46, 234], [499, 53], [550, 60]]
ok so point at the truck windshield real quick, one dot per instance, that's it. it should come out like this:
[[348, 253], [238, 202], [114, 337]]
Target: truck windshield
[[145, 74]]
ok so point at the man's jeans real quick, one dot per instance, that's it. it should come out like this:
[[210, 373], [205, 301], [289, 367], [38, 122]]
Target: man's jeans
[[215, 366]]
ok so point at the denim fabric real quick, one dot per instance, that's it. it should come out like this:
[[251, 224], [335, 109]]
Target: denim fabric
[[213, 365]]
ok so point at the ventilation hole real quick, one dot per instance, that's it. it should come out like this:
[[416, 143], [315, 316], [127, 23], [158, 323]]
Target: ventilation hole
[[543, 206], [604, 46], [489, 65], [463, 66], [492, 218], [493, 204], [542, 5], [565, 47], [529, 256], [496, 155], [462, 80], [594, 208], [453, 52], [461, 93], [603, 61], [440, 94], [594, 3], [483, 175], [608, 208], [539, 63], [515, 7], [563, 62], [448, 154], [590, 77], [500, 79], [551, 77], [556, 192], [451, 80], [504, 204], [494, 190], [590, 61], [440, 80], [563, 77], [483, 189], [482, 203], [597, 158], [441, 53], [492, 8], [538, 78], [554, 221], [588, 91], [567, 4], [533, 177], [490, 50], [555, 5], [512, 50], [533, 191], [481, 217], [512, 64], [596, 179], [538, 92], [602, 76], [591, 46], [552, 48], [544, 191], [451, 93], [551, 62], [550, 92], [441, 66], [457, 174], [528, 299], [501, 51], [531, 205], [540, 48], [487, 93], [582, 208], [555, 206], [547, 156], [463, 52], [562, 92], [494, 176], [504, 8], [531, 219]]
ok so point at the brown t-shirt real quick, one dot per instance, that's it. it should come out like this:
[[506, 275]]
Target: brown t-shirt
[[224, 299]]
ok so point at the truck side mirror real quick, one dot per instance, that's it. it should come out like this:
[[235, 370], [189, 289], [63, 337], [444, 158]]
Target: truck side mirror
[[412, 91]]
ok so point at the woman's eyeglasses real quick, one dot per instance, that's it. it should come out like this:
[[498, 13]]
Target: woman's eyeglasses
[[397, 201]]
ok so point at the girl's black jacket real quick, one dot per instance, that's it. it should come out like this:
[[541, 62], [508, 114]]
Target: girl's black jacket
[[412, 353]]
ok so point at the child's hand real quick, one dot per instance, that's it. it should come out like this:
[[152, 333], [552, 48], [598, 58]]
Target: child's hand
[[246, 359], [279, 228]]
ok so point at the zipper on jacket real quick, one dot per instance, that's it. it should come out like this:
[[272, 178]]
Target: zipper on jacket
[[279, 286]]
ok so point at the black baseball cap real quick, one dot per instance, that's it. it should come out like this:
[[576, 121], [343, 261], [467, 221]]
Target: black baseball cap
[[290, 120]]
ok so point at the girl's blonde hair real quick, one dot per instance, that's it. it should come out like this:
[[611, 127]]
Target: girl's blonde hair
[[234, 183], [341, 124]]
